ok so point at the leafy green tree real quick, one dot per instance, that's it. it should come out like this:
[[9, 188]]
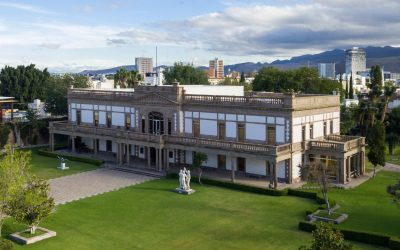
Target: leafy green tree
[[198, 160], [56, 101], [318, 172], [34, 204], [348, 118], [392, 129], [186, 75], [388, 92], [229, 81], [242, 78], [14, 166], [303, 79], [351, 90], [126, 79], [25, 83], [347, 90], [394, 191], [326, 237], [376, 145]]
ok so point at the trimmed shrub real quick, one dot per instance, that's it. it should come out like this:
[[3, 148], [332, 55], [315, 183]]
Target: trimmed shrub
[[307, 226], [70, 157], [394, 243], [303, 194], [245, 188], [370, 238], [172, 176], [6, 244]]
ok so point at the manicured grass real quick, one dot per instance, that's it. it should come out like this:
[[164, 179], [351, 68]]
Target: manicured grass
[[369, 206], [325, 214], [151, 216], [46, 167], [27, 234]]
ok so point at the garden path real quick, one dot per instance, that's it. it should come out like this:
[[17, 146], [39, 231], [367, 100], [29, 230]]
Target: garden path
[[78, 186]]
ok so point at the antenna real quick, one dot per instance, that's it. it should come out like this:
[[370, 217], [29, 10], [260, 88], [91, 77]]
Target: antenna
[[156, 67]]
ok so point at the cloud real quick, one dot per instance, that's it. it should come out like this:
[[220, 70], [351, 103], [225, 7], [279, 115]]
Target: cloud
[[117, 42], [25, 7], [50, 45]]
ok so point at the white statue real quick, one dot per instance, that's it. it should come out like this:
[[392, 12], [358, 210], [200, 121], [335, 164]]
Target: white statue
[[181, 179], [188, 179]]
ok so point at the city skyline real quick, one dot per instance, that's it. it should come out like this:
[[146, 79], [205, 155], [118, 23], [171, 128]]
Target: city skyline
[[76, 35]]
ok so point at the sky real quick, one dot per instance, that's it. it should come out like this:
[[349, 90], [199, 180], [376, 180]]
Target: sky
[[69, 36]]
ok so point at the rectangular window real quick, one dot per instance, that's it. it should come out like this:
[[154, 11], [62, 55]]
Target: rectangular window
[[196, 128], [240, 132], [78, 117], [303, 133], [109, 120], [169, 126], [109, 146], [271, 135], [325, 128], [222, 161], [127, 121], [241, 164], [311, 131], [96, 118], [171, 154], [331, 127], [143, 125], [221, 131]]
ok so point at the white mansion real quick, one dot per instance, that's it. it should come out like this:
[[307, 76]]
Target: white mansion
[[262, 134]]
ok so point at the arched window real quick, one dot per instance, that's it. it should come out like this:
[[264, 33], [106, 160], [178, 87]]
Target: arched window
[[156, 123]]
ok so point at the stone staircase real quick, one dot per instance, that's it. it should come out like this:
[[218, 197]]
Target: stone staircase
[[134, 170]]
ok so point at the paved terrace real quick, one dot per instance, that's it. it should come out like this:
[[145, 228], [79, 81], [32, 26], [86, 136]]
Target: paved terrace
[[78, 186]]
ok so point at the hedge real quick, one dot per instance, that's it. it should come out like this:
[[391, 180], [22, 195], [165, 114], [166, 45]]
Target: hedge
[[236, 186], [364, 237], [70, 157], [394, 243], [303, 194]]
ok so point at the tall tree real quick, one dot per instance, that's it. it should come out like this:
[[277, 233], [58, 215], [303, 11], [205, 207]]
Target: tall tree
[[25, 83], [56, 101], [376, 145], [198, 160], [347, 90], [351, 90], [186, 74], [326, 237], [121, 78], [392, 129], [388, 92], [242, 78], [14, 166]]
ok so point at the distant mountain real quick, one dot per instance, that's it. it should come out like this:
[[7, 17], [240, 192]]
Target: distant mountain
[[388, 57], [107, 71]]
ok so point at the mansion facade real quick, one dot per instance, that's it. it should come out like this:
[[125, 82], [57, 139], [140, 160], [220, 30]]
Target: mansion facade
[[260, 134]]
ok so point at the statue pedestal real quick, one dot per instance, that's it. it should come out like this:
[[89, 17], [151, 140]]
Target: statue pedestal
[[182, 191], [62, 166]]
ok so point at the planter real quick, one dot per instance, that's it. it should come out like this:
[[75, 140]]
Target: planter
[[319, 215], [26, 240]]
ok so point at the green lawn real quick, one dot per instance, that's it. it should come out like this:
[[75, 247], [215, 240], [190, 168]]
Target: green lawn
[[151, 216], [395, 158], [369, 206], [46, 167]]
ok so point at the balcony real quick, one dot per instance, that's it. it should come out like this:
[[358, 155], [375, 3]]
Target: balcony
[[342, 143], [90, 131]]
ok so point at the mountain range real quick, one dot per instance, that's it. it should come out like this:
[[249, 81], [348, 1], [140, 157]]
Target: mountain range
[[387, 57]]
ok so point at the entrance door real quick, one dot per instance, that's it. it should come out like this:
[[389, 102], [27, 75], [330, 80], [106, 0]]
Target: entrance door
[[109, 146], [222, 161], [240, 132], [271, 136], [196, 128], [241, 164], [153, 155], [221, 131]]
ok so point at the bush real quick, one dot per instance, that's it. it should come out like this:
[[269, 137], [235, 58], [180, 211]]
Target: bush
[[370, 238], [394, 243], [307, 226], [236, 186], [70, 157], [6, 244], [303, 194]]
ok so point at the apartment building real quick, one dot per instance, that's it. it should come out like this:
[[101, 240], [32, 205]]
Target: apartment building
[[258, 134], [216, 69], [144, 65]]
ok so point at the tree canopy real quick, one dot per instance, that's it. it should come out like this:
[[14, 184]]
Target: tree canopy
[[56, 102], [303, 79], [185, 74], [25, 83]]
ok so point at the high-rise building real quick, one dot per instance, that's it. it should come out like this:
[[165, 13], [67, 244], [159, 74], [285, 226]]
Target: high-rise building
[[144, 65], [216, 69], [356, 60], [326, 70]]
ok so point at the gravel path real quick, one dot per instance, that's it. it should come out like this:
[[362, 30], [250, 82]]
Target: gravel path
[[78, 186], [391, 167]]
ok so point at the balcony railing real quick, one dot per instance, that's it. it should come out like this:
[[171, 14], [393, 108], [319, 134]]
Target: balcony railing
[[220, 99], [170, 139], [338, 142]]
